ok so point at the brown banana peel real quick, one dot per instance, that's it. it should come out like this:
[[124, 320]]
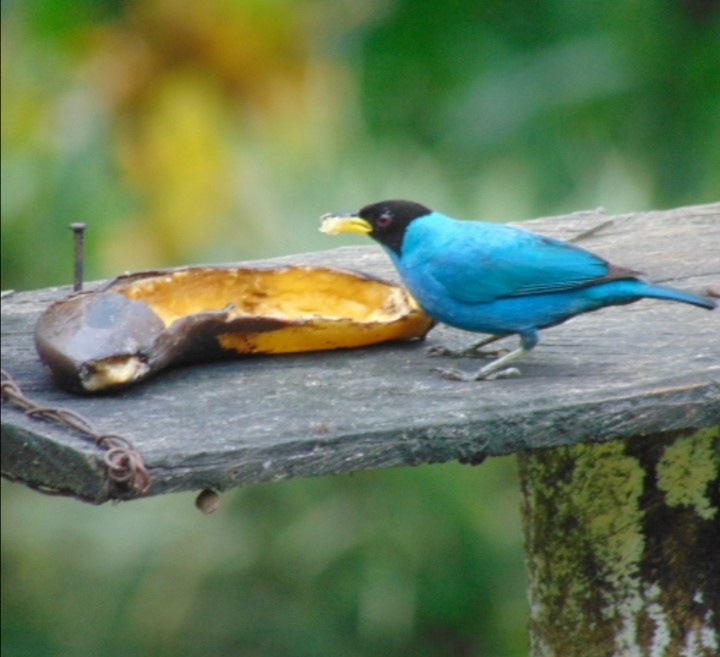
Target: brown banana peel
[[140, 323]]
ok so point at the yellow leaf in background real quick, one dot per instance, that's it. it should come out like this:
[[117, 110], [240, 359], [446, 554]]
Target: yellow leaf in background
[[176, 155]]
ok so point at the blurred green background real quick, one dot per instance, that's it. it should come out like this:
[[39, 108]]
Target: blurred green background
[[186, 132]]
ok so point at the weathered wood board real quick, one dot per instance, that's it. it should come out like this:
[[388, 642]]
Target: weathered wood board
[[651, 367]]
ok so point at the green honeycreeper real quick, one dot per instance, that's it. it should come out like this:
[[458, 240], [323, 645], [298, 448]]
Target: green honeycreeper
[[493, 278]]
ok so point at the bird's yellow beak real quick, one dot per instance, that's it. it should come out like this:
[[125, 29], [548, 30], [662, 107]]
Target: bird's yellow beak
[[334, 224]]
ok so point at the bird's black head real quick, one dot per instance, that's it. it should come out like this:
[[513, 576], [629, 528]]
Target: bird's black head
[[390, 219]]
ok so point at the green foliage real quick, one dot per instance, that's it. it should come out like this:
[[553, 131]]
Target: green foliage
[[424, 561], [221, 130], [569, 92]]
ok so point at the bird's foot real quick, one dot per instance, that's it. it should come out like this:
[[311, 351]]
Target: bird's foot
[[474, 351], [497, 369], [453, 374]]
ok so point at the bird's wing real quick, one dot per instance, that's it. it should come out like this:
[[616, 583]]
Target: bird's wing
[[483, 262]]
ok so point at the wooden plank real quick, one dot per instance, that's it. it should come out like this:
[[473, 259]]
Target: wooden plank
[[647, 368]]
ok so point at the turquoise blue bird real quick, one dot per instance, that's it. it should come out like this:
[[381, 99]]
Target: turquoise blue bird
[[495, 279]]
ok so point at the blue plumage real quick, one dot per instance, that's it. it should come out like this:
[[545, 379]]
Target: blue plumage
[[497, 279]]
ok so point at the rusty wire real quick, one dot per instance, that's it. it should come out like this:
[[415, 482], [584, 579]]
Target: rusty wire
[[123, 462]]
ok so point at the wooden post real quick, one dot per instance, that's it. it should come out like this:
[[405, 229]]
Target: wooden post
[[623, 547]]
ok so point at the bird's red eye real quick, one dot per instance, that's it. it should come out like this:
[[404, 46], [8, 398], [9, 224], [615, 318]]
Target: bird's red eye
[[384, 220]]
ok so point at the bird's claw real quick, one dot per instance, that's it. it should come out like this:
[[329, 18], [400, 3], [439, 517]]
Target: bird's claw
[[453, 374], [438, 351]]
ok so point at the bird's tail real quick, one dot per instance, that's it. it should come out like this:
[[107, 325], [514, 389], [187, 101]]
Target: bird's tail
[[671, 294]]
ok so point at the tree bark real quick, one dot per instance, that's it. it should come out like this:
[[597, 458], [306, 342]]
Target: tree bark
[[623, 547]]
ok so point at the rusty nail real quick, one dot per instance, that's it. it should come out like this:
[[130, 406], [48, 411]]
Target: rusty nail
[[79, 229]]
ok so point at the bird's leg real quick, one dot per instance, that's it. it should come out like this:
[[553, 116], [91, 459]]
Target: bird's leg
[[473, 351], [497, 368]]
